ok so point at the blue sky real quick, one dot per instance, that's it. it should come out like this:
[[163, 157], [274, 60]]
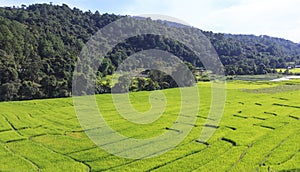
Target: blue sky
[[280, 18]]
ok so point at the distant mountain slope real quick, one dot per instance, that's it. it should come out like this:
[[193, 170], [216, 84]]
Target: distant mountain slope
[[284, 45], [39, 45], [249, 54]]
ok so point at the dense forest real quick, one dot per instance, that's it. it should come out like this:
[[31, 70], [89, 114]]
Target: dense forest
[[39, 45]]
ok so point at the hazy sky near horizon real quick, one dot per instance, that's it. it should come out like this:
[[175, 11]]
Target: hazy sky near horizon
[[260, 17]]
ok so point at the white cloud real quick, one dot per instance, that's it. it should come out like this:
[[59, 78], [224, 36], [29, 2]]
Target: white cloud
[[275, 18]]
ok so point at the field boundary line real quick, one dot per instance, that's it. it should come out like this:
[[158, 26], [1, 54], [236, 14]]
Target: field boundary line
[[56, 152], [241, 157], [22, 157]]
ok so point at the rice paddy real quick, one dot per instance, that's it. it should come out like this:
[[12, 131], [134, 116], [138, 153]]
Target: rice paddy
[[259, 131]]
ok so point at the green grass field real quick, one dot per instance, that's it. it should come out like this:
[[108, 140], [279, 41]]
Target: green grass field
[[294, 71], [259, 131]]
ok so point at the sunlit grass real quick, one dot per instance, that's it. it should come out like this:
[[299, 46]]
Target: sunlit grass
[[258, 131]]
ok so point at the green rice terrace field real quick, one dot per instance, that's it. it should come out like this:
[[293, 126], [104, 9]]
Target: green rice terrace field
[[259, 131]]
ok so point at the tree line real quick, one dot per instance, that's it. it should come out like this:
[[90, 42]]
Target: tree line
[[40, 43]]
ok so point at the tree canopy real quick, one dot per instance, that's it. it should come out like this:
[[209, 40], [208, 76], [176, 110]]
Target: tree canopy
[[40, 43]]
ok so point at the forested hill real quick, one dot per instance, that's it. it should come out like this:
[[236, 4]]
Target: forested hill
[[265, 51], [39, 45]]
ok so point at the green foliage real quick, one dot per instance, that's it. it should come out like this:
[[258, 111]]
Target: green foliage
[[245, 54], [39, 46]]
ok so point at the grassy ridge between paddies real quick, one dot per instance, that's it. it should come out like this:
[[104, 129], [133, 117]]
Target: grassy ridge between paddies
[[258, 132]]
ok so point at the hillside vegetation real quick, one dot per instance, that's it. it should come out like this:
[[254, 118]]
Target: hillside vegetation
[[39, 45]]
